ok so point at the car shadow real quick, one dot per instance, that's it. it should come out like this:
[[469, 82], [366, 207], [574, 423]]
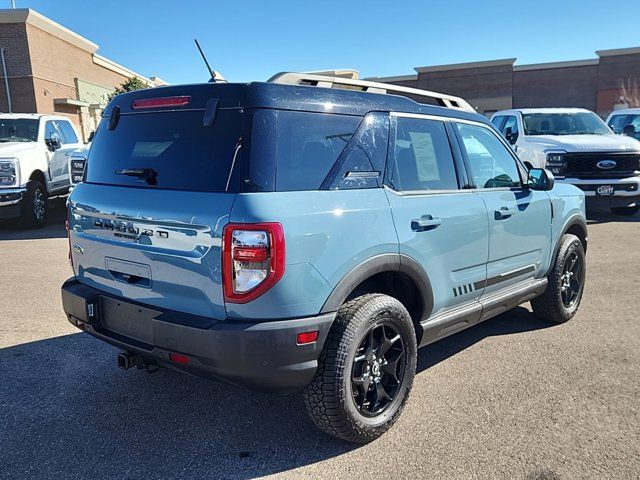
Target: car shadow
[[13, 229], [68, 411], [518, 320], [604, 215]]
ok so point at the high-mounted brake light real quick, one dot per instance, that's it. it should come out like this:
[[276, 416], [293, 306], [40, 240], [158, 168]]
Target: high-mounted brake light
[[161, 102], [253, 259]]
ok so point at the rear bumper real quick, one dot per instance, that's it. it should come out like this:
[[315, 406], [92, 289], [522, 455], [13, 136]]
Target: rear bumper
[[256, 355]]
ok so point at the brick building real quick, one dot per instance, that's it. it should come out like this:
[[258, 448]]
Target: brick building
[[595, 83], [51, 69]]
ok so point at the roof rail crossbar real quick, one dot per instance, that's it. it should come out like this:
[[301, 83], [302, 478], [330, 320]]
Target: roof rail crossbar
[[442, 99]]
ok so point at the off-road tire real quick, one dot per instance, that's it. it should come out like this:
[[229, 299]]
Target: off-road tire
[[626, 211], [549, 307], [329, 399], [34, 213]]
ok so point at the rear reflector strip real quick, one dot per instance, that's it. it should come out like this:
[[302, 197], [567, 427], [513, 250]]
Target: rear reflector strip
[[307, 337], [177, 358], [160, 102]]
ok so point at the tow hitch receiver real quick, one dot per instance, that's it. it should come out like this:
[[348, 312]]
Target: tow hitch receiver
[[127, 360]]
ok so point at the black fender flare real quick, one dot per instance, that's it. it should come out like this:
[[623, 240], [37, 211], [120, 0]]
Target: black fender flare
[[386, 262], [574, 220]]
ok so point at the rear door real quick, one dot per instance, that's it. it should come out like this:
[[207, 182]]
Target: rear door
[[147, 223], [439, 225], [519, 219]]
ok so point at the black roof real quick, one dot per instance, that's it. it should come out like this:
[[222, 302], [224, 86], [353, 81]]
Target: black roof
[[289, 97]]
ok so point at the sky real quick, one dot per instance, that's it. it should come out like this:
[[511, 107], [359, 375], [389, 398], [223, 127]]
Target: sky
[[252, 39]]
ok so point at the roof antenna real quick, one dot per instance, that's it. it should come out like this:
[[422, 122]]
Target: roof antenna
[[215, 76]]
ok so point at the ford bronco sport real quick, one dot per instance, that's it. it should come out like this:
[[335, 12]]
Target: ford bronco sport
[[296, 235]]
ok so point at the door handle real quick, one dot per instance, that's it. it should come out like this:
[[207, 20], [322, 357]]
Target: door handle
[[425, 222], [504, 212]]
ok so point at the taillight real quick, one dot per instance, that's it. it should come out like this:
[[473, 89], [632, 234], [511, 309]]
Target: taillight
[[253, 259]]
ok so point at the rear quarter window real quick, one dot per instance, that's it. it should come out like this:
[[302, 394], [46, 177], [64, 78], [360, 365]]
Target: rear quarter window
[[308, 145]]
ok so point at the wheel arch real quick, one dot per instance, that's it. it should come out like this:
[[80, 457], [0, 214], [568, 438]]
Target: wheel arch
[[40, 177], [393, 274], [576, 225]]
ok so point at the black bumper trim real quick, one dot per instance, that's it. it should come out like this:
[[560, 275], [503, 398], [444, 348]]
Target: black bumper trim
[[612, 201], [256, 355]]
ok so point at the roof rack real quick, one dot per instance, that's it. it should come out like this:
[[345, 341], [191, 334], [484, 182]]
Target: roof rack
[[312, 79]]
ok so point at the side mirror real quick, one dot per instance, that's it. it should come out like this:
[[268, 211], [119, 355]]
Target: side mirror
[[91, 135], [53, 144], [509, 135], [540, 179]]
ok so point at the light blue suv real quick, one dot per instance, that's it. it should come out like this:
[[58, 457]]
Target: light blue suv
[[310, 233]]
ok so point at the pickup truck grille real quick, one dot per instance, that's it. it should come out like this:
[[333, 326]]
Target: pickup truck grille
[[585, 165]]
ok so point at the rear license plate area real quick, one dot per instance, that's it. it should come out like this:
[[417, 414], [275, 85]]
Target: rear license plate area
[[127, 319]]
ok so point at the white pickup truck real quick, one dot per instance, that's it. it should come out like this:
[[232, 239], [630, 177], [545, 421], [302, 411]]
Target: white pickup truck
[[578, 148], [34, 164]]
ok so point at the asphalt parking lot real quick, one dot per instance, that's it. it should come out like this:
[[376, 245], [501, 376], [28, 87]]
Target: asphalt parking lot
[[510, 398]]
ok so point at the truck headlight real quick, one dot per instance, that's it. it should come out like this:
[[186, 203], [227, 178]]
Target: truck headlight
[[557, 164], [9, 172]]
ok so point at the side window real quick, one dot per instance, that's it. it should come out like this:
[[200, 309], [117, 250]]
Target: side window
[[497, 121], [50, 131], [68, 135], [361, 164], [308, 145], [633, 126], [420, 156], [491, 162], [510, 129], [618, 122]]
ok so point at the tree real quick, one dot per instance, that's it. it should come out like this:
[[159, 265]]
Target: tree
[[134, 83], [630, 93]]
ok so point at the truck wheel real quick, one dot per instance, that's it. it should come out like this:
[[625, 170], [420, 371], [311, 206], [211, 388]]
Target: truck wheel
[[626, 211], [34, 207], [560, 301], [365, 370]]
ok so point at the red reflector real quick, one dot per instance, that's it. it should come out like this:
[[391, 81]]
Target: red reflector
[[177, 358], [161, 102], [250, 254], [307, 337]]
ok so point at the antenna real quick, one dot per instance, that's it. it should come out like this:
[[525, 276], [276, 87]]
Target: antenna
[[211, 72]]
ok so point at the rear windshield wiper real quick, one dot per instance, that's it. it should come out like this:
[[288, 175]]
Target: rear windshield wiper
[[148, 174]]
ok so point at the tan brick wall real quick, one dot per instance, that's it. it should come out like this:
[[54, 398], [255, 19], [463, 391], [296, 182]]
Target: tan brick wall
[[56, 64], [58, 61]]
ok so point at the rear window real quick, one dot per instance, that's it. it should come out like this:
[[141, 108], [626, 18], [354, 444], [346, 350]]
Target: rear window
[[171, 150]]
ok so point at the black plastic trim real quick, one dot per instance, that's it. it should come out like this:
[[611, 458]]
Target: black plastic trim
[[259, 355], [573, 221], [387, 262]]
